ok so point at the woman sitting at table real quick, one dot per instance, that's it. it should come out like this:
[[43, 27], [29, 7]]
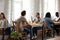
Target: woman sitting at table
[[4, 23], [37, 20], [49, 22]]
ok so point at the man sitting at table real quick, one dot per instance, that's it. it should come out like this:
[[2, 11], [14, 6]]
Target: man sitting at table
[[22, 24], [57, 19]]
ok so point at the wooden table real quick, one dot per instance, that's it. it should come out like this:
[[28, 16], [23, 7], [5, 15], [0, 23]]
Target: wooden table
[[35, 25], [56, 23]]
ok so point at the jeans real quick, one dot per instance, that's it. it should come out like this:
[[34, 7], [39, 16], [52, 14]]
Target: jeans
[[28, 31], [35, 30], [8, 31], [56, 28]]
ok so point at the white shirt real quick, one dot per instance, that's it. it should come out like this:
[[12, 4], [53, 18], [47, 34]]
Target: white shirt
[[55, 18]]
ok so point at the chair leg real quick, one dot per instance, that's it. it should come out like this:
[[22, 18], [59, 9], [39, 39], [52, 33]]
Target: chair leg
[[53, 33]]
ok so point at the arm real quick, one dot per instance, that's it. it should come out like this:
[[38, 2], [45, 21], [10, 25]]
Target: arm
[[58, 20], [5, 23]]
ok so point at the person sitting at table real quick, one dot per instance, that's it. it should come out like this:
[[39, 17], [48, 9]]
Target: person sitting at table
[[37, 20], [4, 23], [49, 21], [22, 25], [57, 19]]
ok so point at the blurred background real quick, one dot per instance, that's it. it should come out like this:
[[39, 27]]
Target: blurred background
[[13, 8]]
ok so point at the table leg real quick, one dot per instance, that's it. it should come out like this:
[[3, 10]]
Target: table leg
[[42, 33]]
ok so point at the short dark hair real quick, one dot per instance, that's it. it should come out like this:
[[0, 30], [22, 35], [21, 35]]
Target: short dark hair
[[23, 13], [57, 14], [38, 13], [48, 15]]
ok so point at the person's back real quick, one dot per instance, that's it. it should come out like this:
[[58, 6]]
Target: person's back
[[48, 20], [21, 21]]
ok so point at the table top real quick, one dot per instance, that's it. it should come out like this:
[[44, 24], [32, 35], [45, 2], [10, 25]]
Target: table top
[[56, 23], [35, 24]]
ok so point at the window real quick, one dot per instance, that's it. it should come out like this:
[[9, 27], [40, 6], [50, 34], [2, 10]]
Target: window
[[27, 6], [17, 6], [50, 6], [16, 10]]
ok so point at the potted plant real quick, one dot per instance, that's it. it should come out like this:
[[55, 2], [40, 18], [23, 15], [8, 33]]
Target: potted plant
[[15, 35]]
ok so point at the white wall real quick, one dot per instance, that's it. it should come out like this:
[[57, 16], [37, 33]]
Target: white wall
[[59, 6], [1, 5], [4, 7], [6, 10]]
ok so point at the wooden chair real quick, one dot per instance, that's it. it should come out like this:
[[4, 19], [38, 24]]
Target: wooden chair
[[46, 30], [14, 28]]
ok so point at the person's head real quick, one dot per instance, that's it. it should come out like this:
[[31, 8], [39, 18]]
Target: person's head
[[37, 15], [23, 13], [48, 15], [2, 16], [57, 14]]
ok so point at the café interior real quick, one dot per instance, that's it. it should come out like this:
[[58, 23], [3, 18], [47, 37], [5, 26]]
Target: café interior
[[29, 19]]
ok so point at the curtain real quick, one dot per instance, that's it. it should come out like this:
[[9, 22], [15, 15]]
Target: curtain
[[31, 7], [50, 6]]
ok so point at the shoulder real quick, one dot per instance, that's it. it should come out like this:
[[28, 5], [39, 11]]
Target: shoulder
[[47, 18], [21, 19]]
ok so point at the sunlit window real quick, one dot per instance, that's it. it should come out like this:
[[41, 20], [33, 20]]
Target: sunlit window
[[17, 7], [27, 7], [30, 6], [50, 6]]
